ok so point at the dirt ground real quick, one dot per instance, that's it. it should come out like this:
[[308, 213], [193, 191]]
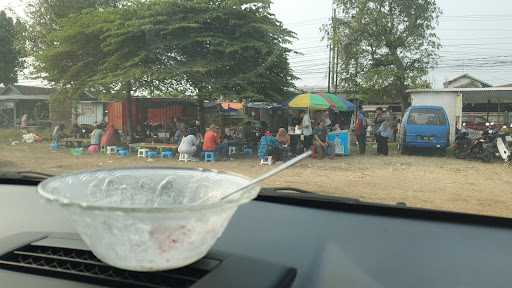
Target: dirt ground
[[420, 181]]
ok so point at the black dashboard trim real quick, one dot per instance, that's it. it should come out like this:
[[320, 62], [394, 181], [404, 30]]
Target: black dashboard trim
[[348, 205], [22, 182]]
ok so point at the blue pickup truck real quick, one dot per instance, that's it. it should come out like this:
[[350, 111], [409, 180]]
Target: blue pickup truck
[[425, 127]]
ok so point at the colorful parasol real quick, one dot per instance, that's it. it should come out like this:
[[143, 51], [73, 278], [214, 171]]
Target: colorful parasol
[[310, 101], [340, 102]]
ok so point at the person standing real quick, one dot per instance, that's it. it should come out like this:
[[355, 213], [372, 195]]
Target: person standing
[[75, 132], [110, 137], [379, 118], [396, 129], [24, 121], [179, 124], [326, 118], [307, 131], [197, 126], [178, 135], [385, 132], [360, 131], [57, 133], [96, 136]]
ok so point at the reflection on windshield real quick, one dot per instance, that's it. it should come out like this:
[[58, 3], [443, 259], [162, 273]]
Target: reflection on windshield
[[427, 117], [244, 87]]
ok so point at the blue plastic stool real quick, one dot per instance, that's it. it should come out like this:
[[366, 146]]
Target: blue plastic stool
[[122, 153], [152, 154], [209, 156], [55, 146], [167, 154]]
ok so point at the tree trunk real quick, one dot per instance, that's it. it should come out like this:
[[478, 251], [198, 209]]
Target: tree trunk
[[129, 113], [404, 100], [200, 109]]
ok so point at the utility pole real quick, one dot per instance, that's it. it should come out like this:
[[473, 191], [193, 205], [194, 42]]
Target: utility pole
[[329, 77], [336, 72], [333, 59]]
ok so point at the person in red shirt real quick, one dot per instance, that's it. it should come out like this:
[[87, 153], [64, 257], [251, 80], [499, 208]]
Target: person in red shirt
[[211, 139]]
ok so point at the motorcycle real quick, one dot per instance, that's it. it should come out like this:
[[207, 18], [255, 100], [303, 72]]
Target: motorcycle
[[495, 146], [504, 144], [487, 148], [462, 145]]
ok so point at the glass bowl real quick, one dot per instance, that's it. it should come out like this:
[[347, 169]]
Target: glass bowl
[[148, 219]]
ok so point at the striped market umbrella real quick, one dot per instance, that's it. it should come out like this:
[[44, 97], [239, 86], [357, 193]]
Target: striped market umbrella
[[311, 101], [340, 102]]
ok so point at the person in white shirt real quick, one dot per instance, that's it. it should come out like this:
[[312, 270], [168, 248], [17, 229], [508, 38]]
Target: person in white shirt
[[307, 131], [189, 144]]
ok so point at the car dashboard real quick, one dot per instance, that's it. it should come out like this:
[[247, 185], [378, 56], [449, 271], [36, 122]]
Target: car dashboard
[[312, 241]]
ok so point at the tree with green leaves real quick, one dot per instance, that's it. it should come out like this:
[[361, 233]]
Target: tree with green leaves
[[9, 55], [219, 49], [385, 46], [231, 49], [45, 16]]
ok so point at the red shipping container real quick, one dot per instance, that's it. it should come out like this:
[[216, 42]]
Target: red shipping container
[[164, 113], [118, 116]]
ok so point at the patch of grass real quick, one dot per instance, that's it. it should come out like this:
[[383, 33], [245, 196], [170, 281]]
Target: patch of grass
[[7, 136]]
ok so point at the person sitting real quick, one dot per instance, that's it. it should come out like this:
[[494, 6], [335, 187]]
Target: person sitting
[[188, 144], [321, 147], [211, 140], [267, 146], [284, 143]]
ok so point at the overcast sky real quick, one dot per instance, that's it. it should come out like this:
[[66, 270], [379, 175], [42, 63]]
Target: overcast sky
[[476, 36]]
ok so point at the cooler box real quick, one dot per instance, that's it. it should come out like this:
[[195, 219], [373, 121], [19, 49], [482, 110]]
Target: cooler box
[[342, 142]]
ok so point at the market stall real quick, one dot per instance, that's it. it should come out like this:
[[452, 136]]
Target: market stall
[[153, 119], [271, 116], [232, 121], [329, 108]]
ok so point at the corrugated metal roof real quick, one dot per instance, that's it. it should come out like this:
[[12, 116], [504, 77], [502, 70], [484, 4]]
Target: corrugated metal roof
[[25, 97], [509, 89], [466, 75], [28, 90], [474, 95]]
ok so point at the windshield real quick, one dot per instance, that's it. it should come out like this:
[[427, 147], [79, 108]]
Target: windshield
[[427, 117], [244, 86]]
